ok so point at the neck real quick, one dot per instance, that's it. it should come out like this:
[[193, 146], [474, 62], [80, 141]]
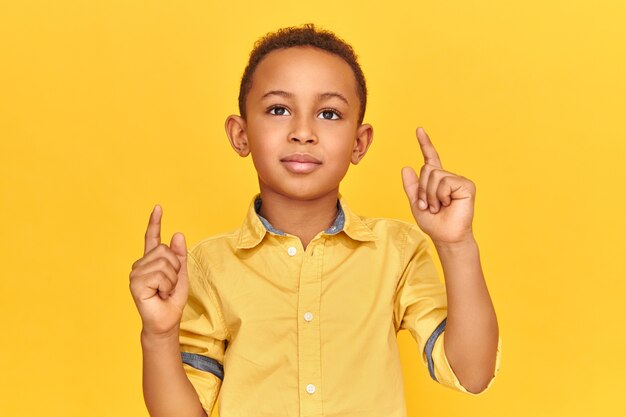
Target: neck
[[301, 218]]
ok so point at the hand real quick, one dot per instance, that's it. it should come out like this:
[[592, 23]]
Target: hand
[[442, 202], [158, 280]]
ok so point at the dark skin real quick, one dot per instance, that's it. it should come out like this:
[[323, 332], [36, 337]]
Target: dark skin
[[443, 206], [303, 133], [289, 115]]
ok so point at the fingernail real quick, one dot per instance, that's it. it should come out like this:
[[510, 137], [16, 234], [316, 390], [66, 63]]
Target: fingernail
[[433, 209], [422, 204]]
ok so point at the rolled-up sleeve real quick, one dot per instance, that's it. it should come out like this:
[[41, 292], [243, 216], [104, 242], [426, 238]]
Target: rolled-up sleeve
[[420, 306], [203, 335], [446, 376]]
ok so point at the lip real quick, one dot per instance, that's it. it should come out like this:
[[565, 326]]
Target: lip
[[300, 163]]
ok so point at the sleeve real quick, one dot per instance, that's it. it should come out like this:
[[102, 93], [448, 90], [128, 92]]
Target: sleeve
[[203, 336], [420, 306], [444, 373]]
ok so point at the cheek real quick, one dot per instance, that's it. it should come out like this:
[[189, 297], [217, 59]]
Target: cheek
[[342, 142], [267, 137], [261, 157], [265, 152]]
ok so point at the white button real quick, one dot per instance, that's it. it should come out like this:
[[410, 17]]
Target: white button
[[291, 251], [310, 388], [308, 316]]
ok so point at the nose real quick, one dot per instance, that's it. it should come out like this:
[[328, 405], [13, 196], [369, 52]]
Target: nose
[[302, 131]]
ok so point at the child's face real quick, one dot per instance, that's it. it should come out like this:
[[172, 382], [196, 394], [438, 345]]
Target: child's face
[[302, 123]]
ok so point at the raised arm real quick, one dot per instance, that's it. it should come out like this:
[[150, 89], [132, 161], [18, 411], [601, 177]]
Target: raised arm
[[443, 206], [159, 285]]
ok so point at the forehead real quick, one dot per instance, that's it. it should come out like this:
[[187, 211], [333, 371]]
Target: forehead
[[304, 70]]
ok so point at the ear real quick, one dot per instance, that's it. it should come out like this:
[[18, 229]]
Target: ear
[[237, 136], [362, 142]]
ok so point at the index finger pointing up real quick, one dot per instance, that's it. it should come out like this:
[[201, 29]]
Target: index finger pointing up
[[153, 232], [428, 150]]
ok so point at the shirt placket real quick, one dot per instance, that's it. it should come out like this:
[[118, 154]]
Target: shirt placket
[[309, 343]]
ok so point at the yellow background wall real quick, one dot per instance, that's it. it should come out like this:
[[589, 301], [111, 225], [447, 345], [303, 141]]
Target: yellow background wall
[[109, 107]]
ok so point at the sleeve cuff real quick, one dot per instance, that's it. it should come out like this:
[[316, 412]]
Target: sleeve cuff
[[446, 376], [203, 363]]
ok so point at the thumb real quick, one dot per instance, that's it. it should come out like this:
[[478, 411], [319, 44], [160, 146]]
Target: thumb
[[410, 181], [179, 247]]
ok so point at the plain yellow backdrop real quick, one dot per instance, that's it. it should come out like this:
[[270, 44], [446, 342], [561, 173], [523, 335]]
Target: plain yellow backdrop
[[107, 108]]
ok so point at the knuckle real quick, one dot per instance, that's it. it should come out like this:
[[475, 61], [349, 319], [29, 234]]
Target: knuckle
[[133, 286], [138, 262], [162, 263], [435, 175]]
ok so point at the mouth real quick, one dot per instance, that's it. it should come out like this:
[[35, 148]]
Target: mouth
[[301, 163]]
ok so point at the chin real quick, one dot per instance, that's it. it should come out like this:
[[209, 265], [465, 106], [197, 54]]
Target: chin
[[306, 195], [300, 187], [302, 192]]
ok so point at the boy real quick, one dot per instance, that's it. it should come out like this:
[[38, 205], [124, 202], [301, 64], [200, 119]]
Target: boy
[[296, 312]]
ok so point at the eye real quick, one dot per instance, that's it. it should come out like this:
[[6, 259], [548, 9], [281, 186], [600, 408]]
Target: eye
[[330, 115], [279, 111]]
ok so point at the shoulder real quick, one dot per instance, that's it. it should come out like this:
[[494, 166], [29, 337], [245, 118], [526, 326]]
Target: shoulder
[[394, 230], [214, 247], [398, 239]]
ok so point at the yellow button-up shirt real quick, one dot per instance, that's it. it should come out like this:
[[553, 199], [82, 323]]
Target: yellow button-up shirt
[[277, 330]]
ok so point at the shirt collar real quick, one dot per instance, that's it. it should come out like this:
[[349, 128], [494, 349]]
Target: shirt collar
[[256, 226]]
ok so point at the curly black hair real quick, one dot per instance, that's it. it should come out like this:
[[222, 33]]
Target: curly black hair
[[306, 35]]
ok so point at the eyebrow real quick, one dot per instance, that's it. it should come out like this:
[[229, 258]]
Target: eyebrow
[[333, 94], [321, 96], [277, 93]]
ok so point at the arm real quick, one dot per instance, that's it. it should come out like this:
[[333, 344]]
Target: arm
[[471, 335], [159, 285], [167, 390], [443, 206]]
